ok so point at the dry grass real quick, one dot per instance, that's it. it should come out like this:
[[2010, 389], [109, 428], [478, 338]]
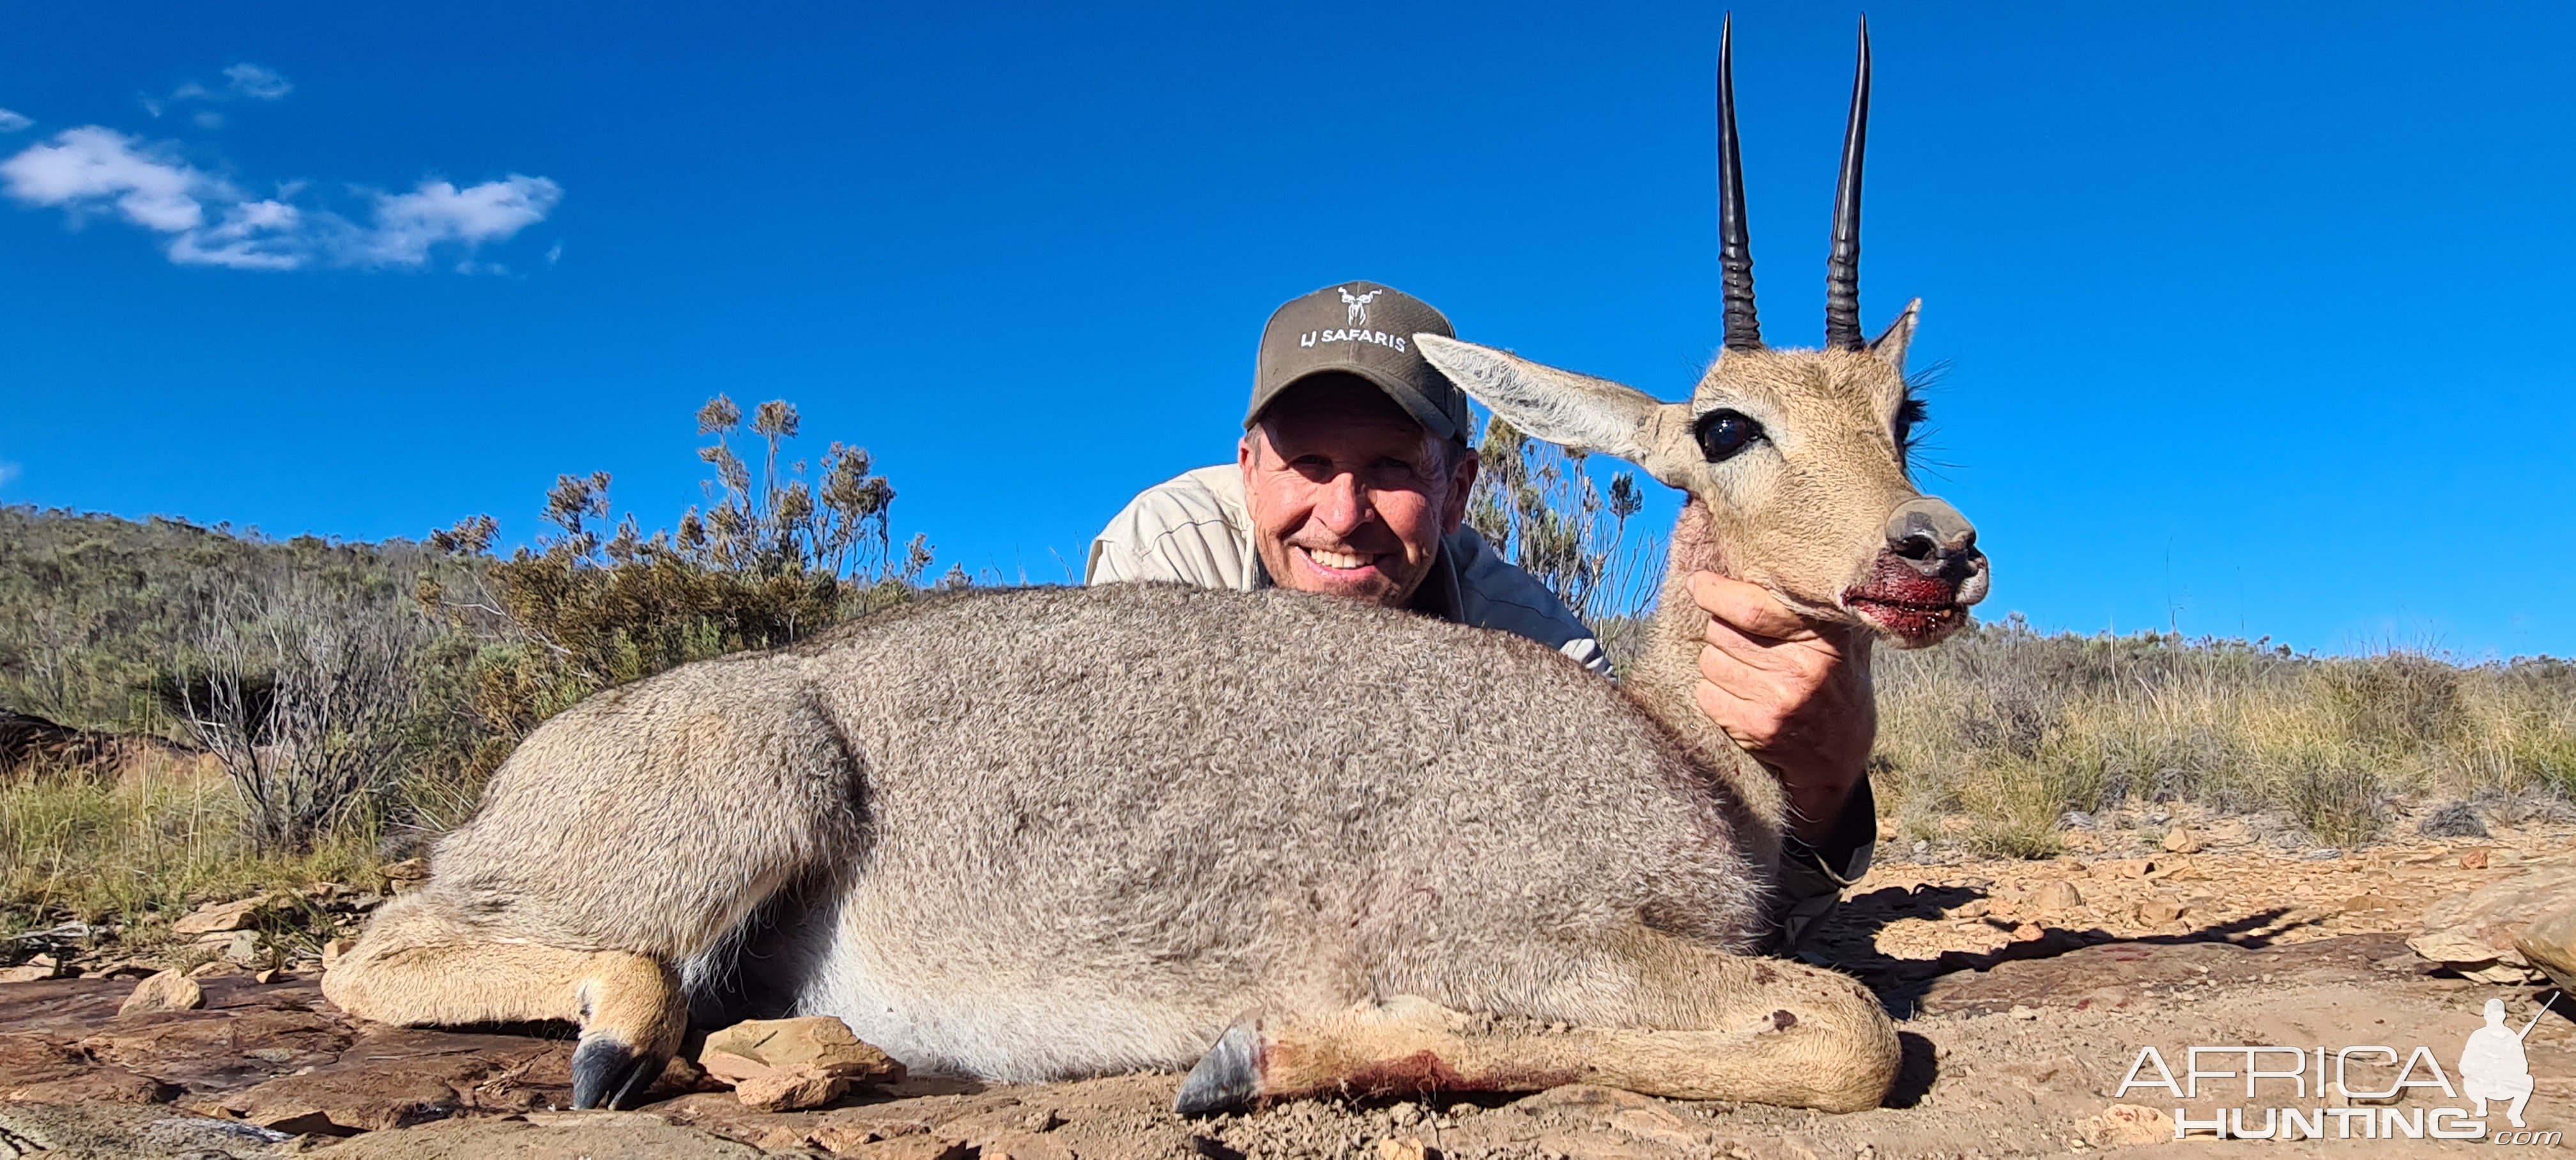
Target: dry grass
[[158, 842], [2012, 729]]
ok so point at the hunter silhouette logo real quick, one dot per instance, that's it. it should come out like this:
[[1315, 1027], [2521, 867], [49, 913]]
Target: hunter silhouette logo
[[1359, 304], [2493, 1067]]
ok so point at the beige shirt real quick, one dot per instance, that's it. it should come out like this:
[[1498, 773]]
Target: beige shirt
[[1195, 529]]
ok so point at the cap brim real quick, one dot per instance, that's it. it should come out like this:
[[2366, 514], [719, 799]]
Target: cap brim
[[1402, 392]]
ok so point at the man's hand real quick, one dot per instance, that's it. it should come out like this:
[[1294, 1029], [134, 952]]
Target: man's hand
[[1795, 694]]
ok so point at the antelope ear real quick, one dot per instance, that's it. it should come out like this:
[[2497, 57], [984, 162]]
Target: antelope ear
[[1891, 343], [1577, 411]]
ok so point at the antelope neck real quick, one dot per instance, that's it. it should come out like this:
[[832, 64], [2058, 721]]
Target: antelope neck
[[1670, 667]]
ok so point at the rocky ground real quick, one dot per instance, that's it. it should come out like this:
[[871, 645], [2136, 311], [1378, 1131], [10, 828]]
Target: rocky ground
[[2025, 991]]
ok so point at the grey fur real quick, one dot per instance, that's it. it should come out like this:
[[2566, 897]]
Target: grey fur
[[1085, 830]]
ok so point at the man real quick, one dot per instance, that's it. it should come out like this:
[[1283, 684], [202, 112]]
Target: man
[[1352, 478]]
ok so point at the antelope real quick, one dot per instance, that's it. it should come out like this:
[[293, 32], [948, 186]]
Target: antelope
[[1359, 304], [1297, 844]]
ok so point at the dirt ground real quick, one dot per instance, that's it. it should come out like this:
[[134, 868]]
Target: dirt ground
[[2022, 1003]]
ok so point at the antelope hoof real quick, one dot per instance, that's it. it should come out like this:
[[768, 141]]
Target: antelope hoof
[[608, 1074], [1226, 1078]]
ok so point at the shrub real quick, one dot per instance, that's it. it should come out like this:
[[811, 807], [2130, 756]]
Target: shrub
[[776, 557], [306, 696], [1538, 507], [2012, 727]]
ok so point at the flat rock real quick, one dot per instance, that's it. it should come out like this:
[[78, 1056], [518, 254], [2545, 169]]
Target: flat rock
[[221, 916], [104, 1131], [2055, 896], [2475, 928], [817, 1042], [590, 1136], [395, 1077], [785, 1064], [39, 1070], [2123, 974], [167, 991]]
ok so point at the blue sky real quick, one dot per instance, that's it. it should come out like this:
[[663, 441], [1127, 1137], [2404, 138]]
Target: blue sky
[[2255, 317]]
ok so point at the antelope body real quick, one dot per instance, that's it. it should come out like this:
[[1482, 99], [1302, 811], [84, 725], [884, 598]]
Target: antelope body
[[1049, 833]]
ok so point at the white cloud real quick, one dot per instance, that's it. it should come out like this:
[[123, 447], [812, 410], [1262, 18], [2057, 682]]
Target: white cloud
[[88, 166], [408, 224], [12, 122], [256, 82], [211, 222], [253, 235]]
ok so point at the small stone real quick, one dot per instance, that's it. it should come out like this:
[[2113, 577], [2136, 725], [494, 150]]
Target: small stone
[[167, 991], [332, 950], [243, 947], [2021, 1012], [792, 1064], [821, 1042], [2052, 896], [406, 876], [2158, 911], [2180, 840], [267, 976], [1406, 1148], [29, 973], [2027, 932], [2474, 860], [1041, 1120], [214, 917], [2126, 1125]]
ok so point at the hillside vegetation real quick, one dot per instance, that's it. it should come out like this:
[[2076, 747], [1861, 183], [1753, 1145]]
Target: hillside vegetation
[[330, 706]]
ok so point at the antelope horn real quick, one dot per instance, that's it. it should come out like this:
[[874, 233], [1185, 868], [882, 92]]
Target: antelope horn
[[1842, 269], [1735, 248]]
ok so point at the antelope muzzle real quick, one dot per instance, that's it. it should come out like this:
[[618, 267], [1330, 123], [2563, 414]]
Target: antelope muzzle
[[1919, 589]]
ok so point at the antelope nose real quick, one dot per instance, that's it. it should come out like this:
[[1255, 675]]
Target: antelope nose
[[1930, 534]]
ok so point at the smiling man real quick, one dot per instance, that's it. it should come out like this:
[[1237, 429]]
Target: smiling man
[[1352, 479]]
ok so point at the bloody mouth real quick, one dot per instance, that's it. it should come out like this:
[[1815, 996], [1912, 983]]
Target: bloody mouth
[[1907, 604]]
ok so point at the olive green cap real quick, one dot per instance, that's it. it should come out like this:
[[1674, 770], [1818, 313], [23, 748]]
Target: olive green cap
[[1364, 329]]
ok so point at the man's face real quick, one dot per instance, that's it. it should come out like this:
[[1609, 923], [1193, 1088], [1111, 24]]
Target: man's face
[[1348, 494]]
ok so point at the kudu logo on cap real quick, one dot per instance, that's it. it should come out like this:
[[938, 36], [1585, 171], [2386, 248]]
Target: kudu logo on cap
[[1364, 329]]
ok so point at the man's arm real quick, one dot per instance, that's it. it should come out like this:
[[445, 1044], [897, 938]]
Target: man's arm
[[1798, 697]]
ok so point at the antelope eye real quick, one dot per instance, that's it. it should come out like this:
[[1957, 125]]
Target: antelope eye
[[1723, 433]]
